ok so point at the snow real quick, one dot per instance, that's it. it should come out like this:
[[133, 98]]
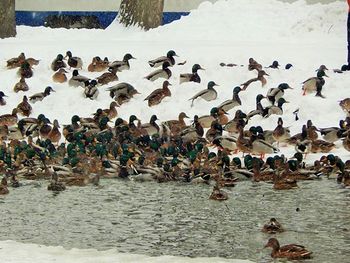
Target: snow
[[226, 31]]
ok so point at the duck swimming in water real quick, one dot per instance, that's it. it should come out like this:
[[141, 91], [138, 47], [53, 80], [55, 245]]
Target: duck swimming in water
[[154, 63], [272, 227], [207, 94], [160, 73], [192, 77], [292, 251], [158, 95]]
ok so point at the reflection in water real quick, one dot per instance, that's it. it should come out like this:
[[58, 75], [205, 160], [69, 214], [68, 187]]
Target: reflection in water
[[179, 219]]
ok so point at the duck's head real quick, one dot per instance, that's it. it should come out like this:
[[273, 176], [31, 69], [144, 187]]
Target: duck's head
[[48, 90], [281, 101], [196, 67], [259, 98], [59, 57], [153, 118], [280, 121], [236, 161], [166, 84], [75, 119], [288, 66], [273, 243], [214, 112], [127, 57], [75, 73], [212, 84], [2, 94], [274, 64], [298, 156], [237, 90], [118, 122], [171, 53], [132, 118], [55, 124], [183, 115], [284, 86], [68, 54]]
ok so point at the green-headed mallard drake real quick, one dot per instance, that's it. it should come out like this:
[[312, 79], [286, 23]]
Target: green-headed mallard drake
[[206, 120], [97, 65], [315, 84], [58, 63], [345, 105], [274, 110], [122, 89], [274, 94], [260, 77], [21, 85], [235, 101], [207, 94], [214, 131], [225, 142], [25, 70], [3, 186], [281, 134], [2, 100], [160, 73], [41, 95], [107, 77], [121, 65], [176, 126], [77, 80], [292, 251], [252, 64], [158, 95], [54, 135], [332, 134], [60, 76], [74, 62], [111, 112], [168, 58], [16, 62], [151, 127], [191, 77], [90, 90], [262, 147], [259, 108], [24, 107], [272, 227]]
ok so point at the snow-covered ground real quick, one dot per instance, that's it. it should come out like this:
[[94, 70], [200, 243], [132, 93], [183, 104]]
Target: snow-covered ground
[[227, 31]]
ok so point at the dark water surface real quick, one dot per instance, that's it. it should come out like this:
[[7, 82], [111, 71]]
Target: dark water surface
[[179, 219]]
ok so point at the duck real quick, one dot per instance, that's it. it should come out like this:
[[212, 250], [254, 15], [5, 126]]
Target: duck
[[218, 194], [16, 61], [154, 63], [3, 186], [2, 100], [58, 63], [272, 227], [55, 185], [77, 80], [234, 102], [25, 70], [274, 110], [24, 107], [262, 147], [90, 90], [194, 132], [150, 128], [259, 110], [160, 73], [206, 120], [121, 65], [122, 92], [346, 142], [192, 77], [54, 135], [40, 96], [158, 95], [238, 121], [281, 183], [274, 65], [98, 65], [107, 77], [74, 62], [60, 76], [207, 94], [315, 84], [281, 134], [311, 131], [333, 134], [225, 143], [21, 85], [111, 112], [33, 62], [260, 77], [274, 94], [244, 144], [345, 105], [292, 251], [176, 126], [9, 119], [252, 64], [214, 131], [321, 146]]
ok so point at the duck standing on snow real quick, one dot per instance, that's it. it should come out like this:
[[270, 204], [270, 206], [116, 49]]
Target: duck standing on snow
[[274, 94], [74, 62], [24, 107], [60, 76], [77, 80], [9, 119], [160, 73], [2, 100], [108, 77], [151, 127], [260, 77], [235, 101], [315, 83], [40, 96], [16, 62], [281, 134], [98, 65], [25, 70], [21, 85], [345, 105], [277, 110], [168, 58], [90, 90], [252, 64], [122, 92], [207, 94], [158, 95], [194, 77], [58, 63], [121, 65]]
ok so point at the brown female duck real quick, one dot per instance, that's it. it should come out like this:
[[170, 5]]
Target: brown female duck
[[24, 107], [158, 95], [16, 62], [272, 227], [260, 77], [111, 112], [176, 126], [9, 119], [21, 85], [60, 76], [345, 105], [25, 70], [98, 65], [291, 251], [280, 133], [54, 135], [218, 194], [3, 186], [108, 77]]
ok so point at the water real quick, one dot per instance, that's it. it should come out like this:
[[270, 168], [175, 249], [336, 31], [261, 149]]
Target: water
[[178, 219]]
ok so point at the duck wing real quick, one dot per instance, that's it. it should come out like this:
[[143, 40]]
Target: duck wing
[[158, 61]]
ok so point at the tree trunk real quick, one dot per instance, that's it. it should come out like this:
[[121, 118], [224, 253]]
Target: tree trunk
[[7, 18], [144, 13]]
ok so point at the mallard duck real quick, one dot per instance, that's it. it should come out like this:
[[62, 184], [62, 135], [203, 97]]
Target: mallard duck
[[74, 62], [261, 147], [21, 85], [60, 76], [260, 77], [2, 100], [235, 101], [214, 131], [225, 142], [207, 94], [311, 131], [291, 251], [218, 194], [25, 70], [24, 107], [345, 105], [121, 65], [282, 183], [40, 96], [98, 65], [194, 77], [77, 80], [333, 134], [176, 126], [252, 64], [233, 125], [274, 110], [151, 127], [274, 94], [107, 77], [194, 132], [3, 186], [259, 108], [122, 89], [55, 185], [168, 58], [274, 65], [206, 120], [90, 90], [222, 116], [244, 144], [16, 62], [111, 112], [158, 95], [160, 73], [315, 84], [45, 128], [272, 227], [58, 63], [280, 133], [54, 135]]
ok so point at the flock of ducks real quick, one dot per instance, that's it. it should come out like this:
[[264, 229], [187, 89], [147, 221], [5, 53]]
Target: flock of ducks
[[93, 148]]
